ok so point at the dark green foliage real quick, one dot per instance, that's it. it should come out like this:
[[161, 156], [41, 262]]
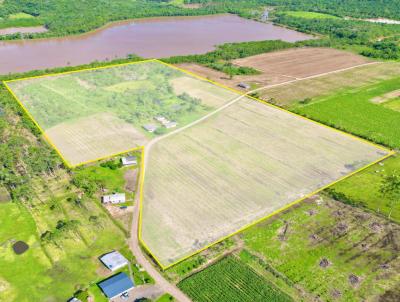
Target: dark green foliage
[[230, 280], [22, 154], [65, 17], [111, 164]]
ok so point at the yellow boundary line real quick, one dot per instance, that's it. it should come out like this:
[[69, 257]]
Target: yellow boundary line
[[141, 148]]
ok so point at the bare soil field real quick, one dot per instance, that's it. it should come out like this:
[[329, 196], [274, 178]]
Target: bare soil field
[[236, 167], [283, 66], [324, 85], [302, 62], [94, 137]]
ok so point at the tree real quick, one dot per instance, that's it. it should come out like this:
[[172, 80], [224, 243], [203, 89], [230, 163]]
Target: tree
[[390, 189]]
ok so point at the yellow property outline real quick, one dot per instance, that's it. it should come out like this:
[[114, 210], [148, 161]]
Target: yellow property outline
[[141, 148]]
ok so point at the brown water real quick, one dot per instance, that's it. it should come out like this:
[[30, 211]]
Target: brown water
[[149, 38]]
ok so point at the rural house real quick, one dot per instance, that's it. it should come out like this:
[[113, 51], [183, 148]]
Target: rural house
[[170, 125], [244, 85], [114, 198], [161, 119], [150, 127], [129, 160], [114, 260], [118, 285]]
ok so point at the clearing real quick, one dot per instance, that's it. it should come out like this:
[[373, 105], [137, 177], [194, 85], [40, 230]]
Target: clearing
[[329, 250], [238, 166], [359, 77], [283, 66], [95, 113]]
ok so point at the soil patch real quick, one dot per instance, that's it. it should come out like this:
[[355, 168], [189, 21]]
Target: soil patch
[[130, 177], [386, 97], [302, 62], [354, 280], [20, 247], [324, 263]]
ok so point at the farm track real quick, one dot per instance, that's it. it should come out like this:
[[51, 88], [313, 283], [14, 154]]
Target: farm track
[[163, 283]]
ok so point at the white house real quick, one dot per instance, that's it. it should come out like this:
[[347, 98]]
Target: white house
[[114, 260], [129, 160], [114, 198], [170, 125]]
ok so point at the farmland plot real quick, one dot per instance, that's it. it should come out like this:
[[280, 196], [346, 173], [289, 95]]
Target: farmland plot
[[96, 113], [240, 165]]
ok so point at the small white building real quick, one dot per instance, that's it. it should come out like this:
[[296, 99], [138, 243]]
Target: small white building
[[161, 119], [114, 198], [170, 125], [150, 127], [129, 160], [114, 260]]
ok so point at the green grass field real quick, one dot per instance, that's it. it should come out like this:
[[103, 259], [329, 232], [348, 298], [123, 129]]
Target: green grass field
[[309, 15], [66, 237], [20, 16], [363, 188], [351, 241], [229, 280], [353, 111]]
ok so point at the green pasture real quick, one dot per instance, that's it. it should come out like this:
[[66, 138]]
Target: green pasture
[[295, 243], [66, 237], [135, 93], [354, 112], [309, 15], [364, 188]]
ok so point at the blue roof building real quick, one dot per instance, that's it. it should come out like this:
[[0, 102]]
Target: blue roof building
[[117, 285]]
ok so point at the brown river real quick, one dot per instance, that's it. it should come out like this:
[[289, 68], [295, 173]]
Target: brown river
[[148, 38]]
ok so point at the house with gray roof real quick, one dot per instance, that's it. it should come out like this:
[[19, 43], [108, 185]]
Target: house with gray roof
[[150, 127]]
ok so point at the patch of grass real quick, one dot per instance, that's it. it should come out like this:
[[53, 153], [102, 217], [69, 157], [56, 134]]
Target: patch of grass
[[4, 195], [23, 277], [393, 104], [363, 188], [230, 280], [351, 241], [20, 16], [111, 179], [309, 15], [353, 112], [165, 298]]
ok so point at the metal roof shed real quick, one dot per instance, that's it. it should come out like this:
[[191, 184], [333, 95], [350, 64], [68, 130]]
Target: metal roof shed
[[116, 285], [114, 260]]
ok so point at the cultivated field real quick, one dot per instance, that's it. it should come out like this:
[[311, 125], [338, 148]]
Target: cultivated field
[[229, 280], [96, 113], [354, 111], [332, 83], [302, 62], [238, 166], [283, 66]]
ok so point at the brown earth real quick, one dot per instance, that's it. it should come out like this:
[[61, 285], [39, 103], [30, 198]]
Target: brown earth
[[130, 177], [302, 62], [282, 66]]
